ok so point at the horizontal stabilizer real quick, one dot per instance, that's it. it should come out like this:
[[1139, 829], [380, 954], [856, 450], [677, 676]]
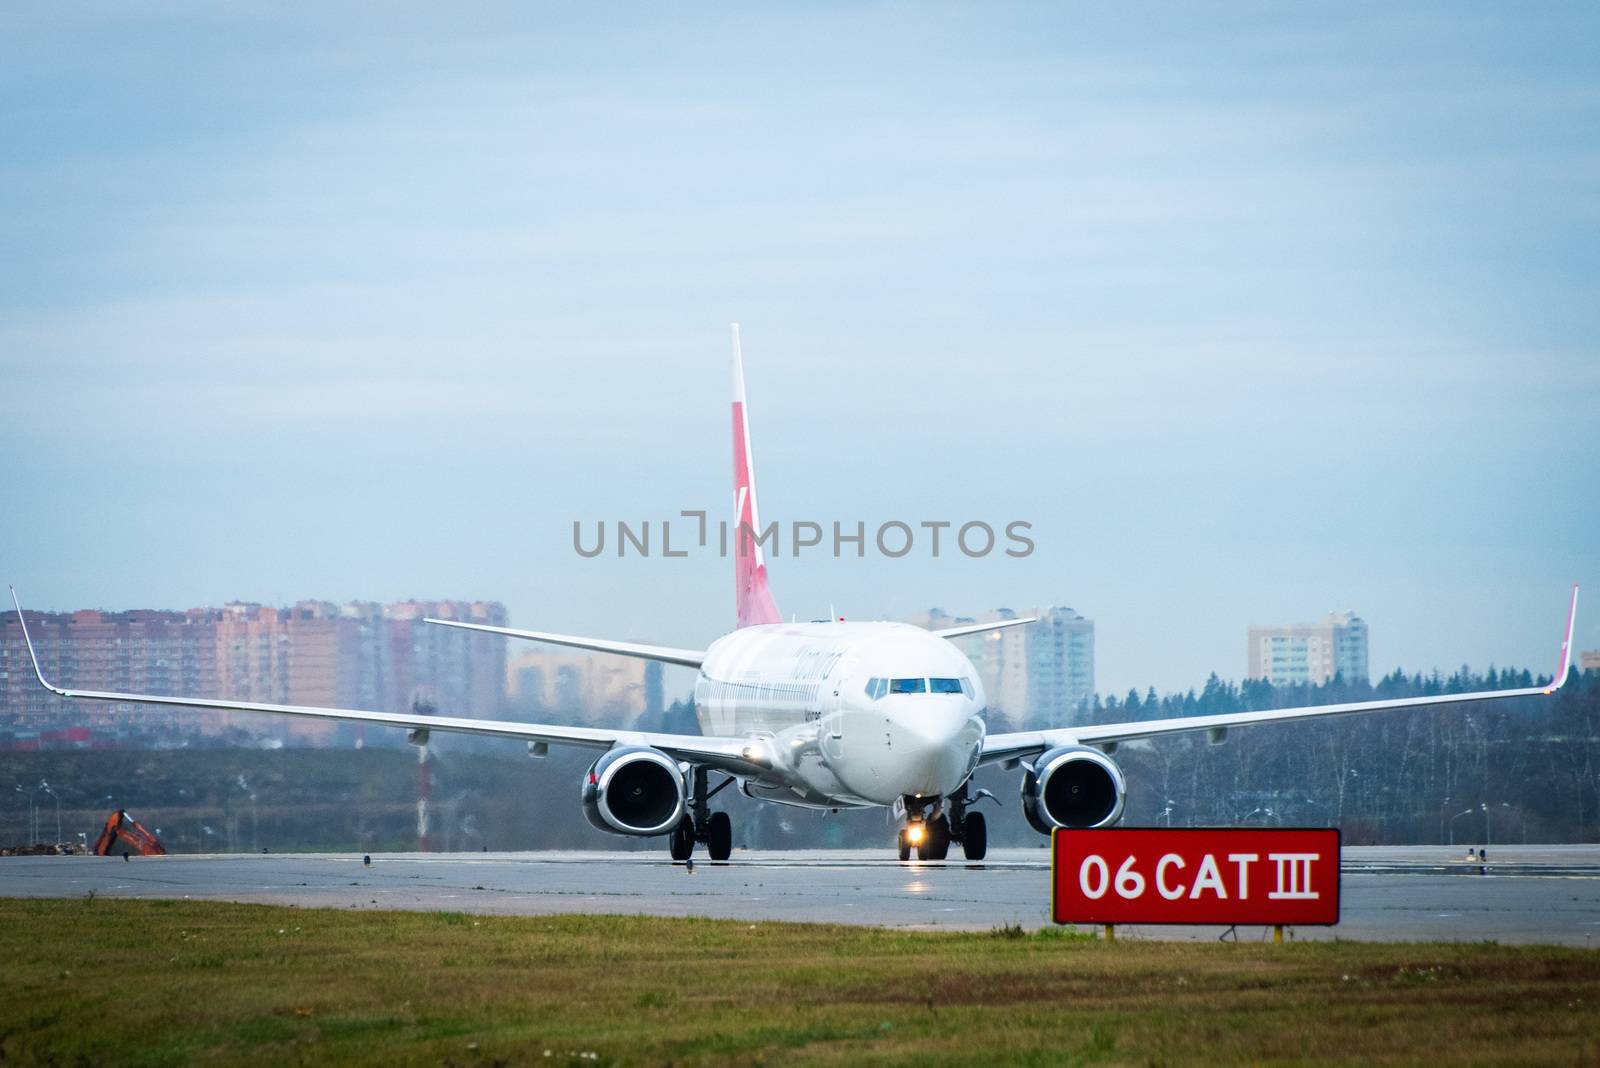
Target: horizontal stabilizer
[[979, 628], [683, 657]]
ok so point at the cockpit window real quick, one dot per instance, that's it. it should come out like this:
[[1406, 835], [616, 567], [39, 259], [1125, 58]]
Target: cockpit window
[[876, 688]]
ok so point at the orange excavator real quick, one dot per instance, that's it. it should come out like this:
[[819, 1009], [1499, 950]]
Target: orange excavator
[[124, 828]]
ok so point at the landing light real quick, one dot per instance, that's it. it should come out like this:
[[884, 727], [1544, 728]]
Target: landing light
[[914, 833]]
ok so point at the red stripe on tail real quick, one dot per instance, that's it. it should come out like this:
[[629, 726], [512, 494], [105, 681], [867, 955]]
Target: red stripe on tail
[[752, 598]]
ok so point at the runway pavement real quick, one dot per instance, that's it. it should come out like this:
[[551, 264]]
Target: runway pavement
[[1528, 894]]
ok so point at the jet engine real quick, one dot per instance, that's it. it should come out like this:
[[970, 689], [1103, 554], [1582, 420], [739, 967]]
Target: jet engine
[[634, 790], [1073, 786]]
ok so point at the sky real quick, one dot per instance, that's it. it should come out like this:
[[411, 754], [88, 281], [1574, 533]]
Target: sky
[[1252, 311]]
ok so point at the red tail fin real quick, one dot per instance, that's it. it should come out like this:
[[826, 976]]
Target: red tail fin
[[751, 595]]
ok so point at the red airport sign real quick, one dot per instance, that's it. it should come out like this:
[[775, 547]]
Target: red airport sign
[[1196, 875]]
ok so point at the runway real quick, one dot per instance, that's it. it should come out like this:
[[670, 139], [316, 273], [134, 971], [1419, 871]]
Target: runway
[[1529, 894]]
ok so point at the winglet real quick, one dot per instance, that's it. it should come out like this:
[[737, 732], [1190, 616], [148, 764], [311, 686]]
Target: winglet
[[1566, 645], [28, 641]]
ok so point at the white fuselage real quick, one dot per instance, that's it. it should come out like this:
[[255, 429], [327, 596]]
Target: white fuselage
[[855, 713]]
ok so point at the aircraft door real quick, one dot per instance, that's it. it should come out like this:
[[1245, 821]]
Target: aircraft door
[[833, 715]]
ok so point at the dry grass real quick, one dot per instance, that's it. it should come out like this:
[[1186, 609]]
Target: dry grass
[[151, 982]]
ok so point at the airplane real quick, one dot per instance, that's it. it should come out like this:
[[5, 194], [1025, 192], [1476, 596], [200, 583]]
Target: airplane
[[825, 715]]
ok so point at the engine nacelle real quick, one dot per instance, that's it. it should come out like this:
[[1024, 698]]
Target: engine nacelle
[[634, 790], [1073, 786]]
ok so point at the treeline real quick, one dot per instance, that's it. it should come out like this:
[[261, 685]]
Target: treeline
[[1252, 695]]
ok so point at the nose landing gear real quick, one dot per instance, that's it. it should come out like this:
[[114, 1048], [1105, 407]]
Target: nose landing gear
[[700, 824], [930, 832], [929, 836]]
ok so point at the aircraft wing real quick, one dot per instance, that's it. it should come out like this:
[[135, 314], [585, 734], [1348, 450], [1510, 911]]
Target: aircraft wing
[[1023, 744], [666, 654], [737, 756]]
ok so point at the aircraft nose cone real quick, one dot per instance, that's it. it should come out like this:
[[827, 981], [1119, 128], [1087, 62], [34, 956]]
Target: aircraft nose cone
[[930, 747]]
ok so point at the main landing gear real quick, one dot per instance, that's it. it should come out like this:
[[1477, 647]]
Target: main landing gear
[[700, 824], [930, 832]]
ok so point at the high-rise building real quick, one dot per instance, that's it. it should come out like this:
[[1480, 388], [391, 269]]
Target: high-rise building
[[1060, 650], [1310, 652], [564, 686], [1589, 660], [143, 651], [462, 672], [1037, 674], [357, 655]]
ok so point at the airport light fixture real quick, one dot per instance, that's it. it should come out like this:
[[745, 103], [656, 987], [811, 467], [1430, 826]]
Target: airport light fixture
[[33, 813], [53, 796], [32, 809], [1484, 805]]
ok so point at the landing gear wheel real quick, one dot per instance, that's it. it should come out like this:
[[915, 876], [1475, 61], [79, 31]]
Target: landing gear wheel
[[905, 845], [974, 836], [935, 840], [719, 836], [681, 844]]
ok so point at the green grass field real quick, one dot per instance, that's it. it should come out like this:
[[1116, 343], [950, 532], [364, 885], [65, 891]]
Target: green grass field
[[153, 982]]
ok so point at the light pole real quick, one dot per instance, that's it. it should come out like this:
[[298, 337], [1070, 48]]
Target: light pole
[[33, 819], [231, 815], [1453, 819], [46, 788], [1485, 806]]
